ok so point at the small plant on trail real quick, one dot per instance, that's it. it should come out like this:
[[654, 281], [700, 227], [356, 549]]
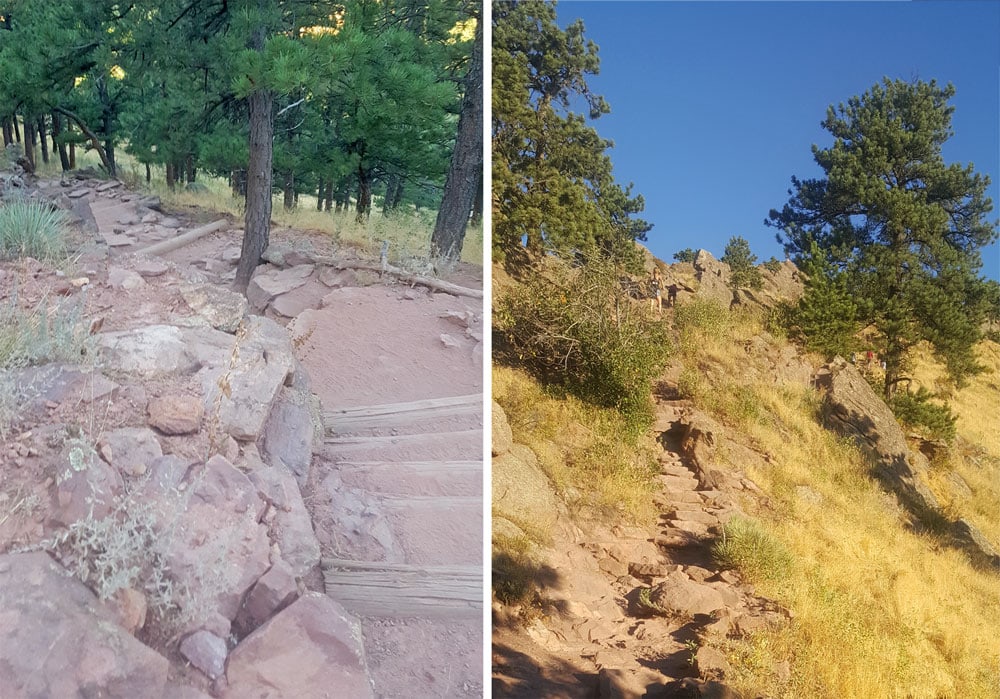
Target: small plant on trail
[[31, 229], [51, 330], [746, 546]]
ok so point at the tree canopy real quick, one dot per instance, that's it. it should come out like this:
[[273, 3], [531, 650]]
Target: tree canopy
[[904, 227], [363, 97], [553, 187]]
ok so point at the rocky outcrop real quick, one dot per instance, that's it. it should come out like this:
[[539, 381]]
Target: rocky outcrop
[[851, 408], [713, 279]]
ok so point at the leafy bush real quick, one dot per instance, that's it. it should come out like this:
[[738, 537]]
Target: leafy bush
[[30, 228], [576, 328], [916, 410], [748, 547]]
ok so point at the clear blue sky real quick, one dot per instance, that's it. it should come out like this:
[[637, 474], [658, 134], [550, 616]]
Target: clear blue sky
[[715, 105]]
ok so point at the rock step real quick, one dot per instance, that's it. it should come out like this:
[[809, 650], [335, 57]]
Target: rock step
[[427, 478], [381, 589], [677, 470], [690, 515], [682, 497], [442, 446], [673, 483], [395, 414]]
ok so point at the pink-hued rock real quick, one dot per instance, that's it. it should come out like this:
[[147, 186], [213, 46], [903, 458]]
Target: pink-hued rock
[[311, 649], [275, 590], [87, 492], [205, 651], [58, 640], [131, 450], [176, 414]]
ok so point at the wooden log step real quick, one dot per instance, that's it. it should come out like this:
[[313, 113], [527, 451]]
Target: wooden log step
[[365, 441], [379, 589], [415, 478], [394, 414]]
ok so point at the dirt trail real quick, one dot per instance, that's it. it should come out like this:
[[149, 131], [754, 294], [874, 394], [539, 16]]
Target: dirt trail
[[395, 492], [597, 636]]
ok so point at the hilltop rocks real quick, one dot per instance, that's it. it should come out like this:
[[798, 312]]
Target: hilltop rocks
[[59, 641], [713, 279]]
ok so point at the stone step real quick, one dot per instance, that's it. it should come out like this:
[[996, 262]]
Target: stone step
[[461, 445], [397, 414], [379, 589], [674, 483], [677, 470], [699, 529], [437, 530], [690, 515], [427, 478]]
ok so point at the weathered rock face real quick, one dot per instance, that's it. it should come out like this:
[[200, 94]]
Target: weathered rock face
[[713, 279], [59, 641], [221, 308], [175, 414], [130, 450], [521, 491], [267, 284], [682, 595], [328, 657], [503, 438], [851, 408], [289, 432]]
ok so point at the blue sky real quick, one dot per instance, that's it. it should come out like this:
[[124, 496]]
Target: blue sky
[[715, 105]]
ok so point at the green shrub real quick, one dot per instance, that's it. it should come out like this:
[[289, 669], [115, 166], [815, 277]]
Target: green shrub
[[30, 228], [575, 327], [916, 410], [742, 263], [700, 318], [746, 546], [686, 255], [773, 265]]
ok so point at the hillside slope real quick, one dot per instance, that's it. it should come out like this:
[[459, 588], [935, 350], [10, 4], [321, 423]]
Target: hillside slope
[[829, 587]]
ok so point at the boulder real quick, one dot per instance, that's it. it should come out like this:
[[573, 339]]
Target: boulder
[[221, 308], [205, 651], [154, 350], [126, 279], [503, 438], [130, 450], [713, 279], [241, 393], [176, 414], [679, 594], [86, 488], [851, 408], [313, 648], [521, 491], [60, 641], [267, 284], [294, 532], [275, 590], [289, 432]]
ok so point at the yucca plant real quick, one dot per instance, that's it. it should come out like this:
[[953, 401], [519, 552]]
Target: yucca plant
[[31, 229]]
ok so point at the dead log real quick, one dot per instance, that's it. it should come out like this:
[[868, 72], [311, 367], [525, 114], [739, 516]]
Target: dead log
[[182, 240], [402, 275]]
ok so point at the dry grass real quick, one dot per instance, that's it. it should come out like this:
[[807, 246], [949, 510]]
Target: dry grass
[[880, 611], [583, 450]]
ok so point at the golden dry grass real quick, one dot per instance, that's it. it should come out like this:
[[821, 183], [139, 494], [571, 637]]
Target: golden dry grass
[[593, 467], [880, 611]]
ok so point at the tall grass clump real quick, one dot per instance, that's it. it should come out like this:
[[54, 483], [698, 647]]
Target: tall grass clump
[[575, 327], [31, 229], [746, 546]]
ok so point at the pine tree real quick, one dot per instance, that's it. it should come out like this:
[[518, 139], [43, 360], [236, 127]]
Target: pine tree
[[903, 226], [552, 181], [742, 264]]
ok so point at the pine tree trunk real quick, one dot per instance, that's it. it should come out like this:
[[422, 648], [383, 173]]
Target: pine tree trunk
[[238, 180], [256, 230], [319, 194], [190, 170], [72, 153], [60, 147], [289, 191], [477, 205], [364, 194], [328, 196], [466, 164], [42, 140], [29, 142], [8, 132], [171, 181], [17, 130], [149, 174], [389, 203]]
